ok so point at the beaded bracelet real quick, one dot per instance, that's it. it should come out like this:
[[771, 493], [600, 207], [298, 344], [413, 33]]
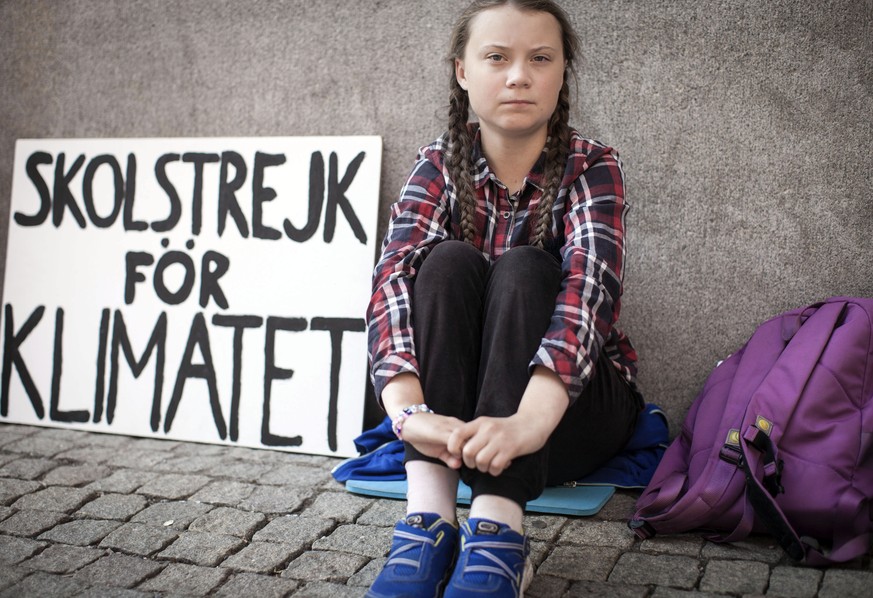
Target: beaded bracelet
[[397, 423]]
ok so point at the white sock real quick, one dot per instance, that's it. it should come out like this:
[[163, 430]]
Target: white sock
[[497, 508], [431, 488]]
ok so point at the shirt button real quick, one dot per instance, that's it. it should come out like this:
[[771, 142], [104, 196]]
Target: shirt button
[[506, 215]]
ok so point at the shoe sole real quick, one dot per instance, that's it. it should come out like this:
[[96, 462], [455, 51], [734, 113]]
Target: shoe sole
[[526, 577]]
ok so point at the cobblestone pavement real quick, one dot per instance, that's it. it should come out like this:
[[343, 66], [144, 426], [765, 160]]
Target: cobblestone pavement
[[86, 514]]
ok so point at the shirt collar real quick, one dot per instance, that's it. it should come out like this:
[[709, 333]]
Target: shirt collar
[[482, 172]]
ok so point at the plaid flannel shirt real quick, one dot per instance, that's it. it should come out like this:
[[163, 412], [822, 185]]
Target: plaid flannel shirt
[[587, 237]]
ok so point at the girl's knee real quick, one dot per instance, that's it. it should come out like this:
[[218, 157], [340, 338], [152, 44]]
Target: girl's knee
[[453, 251], [449, 259], [527, 263]]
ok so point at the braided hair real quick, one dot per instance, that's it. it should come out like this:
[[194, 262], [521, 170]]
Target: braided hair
[[460, 142]]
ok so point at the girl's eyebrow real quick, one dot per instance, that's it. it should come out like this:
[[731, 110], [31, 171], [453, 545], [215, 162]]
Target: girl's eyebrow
[[502, 47]]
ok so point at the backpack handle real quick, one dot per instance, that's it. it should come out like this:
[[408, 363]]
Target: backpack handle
[[790, 325]]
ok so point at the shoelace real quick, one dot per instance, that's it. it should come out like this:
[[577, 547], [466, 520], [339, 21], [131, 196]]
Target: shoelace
[[481, 549], [395, 557]]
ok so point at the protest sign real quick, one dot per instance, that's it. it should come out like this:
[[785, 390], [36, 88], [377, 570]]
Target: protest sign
[[210, 290]]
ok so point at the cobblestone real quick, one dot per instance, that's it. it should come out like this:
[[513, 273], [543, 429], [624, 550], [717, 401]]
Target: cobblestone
[[156, 445], [838, 583], [30, 523], [578, 563], [366, 576], [299, 532], [83, 532], [262, 557], [172, 486], [383, 512], [38, 445], [11, 489], [10, 576], [642, 569], [262, 586], [619, 508], [59, 558], [224, 492], [114, 593], [89, 454], [742, 577], [14, 550], [794, 582], [296, 475], [120, 507], [596, 588], [177, 515], [75, 475], [240, 471], [55, 498], [139, 538], [547, 586], [123, 481], [186, 580], [232, 522], [357, 539], [136, 458], [340, 506], [11, 433], [43, 584], [118, 570], [680, 544], [27, 468], [199, 548], [189, 464], [543, 527], [599, 533], [324, 566], [758, 548], [320, 589], [276, 499]]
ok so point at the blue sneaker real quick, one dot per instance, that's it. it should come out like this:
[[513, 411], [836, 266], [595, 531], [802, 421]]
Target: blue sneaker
[[420, 560], [493, 561]]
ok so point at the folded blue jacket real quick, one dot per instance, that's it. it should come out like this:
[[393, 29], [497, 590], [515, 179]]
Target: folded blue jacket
[[382, 455]]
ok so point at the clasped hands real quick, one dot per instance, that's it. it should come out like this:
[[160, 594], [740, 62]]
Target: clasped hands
[[488, 444]]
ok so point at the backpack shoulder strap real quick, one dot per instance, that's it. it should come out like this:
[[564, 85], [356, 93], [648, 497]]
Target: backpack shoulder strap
[[776, 397]]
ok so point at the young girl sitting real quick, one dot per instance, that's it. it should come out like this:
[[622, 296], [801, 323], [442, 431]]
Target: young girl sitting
[[492, 322]]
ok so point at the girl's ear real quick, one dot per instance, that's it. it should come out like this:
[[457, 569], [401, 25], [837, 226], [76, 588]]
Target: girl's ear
[[461, 73]]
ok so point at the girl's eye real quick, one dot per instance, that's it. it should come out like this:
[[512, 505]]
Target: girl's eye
[[541, 59], [494, 58]]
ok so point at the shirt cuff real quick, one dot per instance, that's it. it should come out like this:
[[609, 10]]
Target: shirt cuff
[[390, 367]]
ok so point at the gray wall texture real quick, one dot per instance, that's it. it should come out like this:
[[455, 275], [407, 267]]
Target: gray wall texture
[[744, 126]]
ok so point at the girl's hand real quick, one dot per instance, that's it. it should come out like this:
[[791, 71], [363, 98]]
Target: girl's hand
[[489, 444], [429, 433]]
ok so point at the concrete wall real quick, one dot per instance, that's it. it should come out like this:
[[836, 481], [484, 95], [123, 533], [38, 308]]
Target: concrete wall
[[745, 127]]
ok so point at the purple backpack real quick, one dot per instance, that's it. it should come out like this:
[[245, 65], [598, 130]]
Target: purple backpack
[[779, 440]]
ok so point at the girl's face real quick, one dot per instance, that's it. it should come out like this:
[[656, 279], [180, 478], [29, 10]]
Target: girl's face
[[513, 71]]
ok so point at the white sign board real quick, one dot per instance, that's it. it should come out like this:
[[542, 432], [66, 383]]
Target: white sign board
[[211, 290]]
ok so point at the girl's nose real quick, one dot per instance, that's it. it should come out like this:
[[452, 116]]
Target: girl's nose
[[518, 76]]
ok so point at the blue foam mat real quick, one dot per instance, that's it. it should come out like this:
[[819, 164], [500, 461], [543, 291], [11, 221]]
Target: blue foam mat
[[579, 500]]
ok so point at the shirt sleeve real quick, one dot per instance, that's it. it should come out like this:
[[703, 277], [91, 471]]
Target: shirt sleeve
[[589, 301], [418, 220]]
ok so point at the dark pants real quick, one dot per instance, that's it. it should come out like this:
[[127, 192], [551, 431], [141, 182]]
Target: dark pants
[[476, 330]]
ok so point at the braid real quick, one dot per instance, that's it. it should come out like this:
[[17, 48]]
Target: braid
[[458, 159], [556, 161]]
